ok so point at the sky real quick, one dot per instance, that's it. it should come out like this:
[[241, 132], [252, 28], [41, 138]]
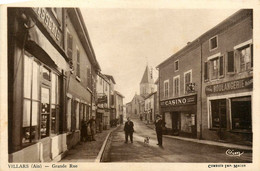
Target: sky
[[125, 40]]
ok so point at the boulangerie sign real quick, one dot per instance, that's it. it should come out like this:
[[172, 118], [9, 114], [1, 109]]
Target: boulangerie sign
[[245, 83]]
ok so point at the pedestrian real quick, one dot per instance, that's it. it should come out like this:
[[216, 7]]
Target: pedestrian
[[92, 124], [129, 129], [83, 131], [159, 125]]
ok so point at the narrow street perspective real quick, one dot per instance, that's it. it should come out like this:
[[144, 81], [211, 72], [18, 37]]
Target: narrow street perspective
[[173, 150]]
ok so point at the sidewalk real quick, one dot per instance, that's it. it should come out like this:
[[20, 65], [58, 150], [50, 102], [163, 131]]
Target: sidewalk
[[222, 144], [90, 151]]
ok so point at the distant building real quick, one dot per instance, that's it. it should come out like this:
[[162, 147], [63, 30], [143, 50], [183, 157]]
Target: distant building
[[150, 107], [147, 87], [119, 106]]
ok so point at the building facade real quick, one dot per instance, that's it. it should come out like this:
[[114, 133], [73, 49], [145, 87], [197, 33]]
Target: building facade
[[103, 107], [150, 107], [50, 61], [119, 106], [205, 89]]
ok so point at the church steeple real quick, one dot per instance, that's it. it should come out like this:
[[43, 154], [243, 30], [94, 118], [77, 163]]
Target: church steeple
[[147, 82]]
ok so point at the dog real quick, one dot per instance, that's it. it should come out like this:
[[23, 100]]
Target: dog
[[146, 140]]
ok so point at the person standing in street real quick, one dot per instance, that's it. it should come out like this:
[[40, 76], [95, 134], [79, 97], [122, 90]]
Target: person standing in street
[[129, 129], [92, 123], [159, 125]]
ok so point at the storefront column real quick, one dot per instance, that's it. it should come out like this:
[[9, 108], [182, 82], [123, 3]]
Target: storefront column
[[63, 112]]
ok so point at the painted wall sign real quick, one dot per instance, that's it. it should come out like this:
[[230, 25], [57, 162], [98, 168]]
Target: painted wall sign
[[244, 83], [187, 100], [49, 23]]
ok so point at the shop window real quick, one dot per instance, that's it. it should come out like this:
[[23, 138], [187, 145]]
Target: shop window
[[166, 88], [187, 81], [218, 113], [77, 114], [78, 63], [55, 103], [213, 43], [31, 100], [73, 115], [245, 58], [176, 87], [69, 105], [241, 113], [176, 65]]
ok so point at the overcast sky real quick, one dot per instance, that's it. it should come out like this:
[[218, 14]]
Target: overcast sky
[[125, 40]]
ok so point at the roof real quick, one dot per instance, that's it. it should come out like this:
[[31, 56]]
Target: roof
[[110, 77], [81, 29], [119, 94], [228, 22], [146, 76]]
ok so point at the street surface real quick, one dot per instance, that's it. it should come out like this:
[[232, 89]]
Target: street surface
[[173, 150]]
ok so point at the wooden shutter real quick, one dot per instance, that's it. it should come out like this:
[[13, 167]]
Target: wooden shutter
[[88, 78], [221, 66], [69, 45], [230, 62], [206, 71], [78, 63]]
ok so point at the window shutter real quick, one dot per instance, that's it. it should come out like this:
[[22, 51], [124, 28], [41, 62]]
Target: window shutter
[[252, 54], [206, 71], [231, 62], [221, 66], [69, 45], [237, 61], [88, 78]]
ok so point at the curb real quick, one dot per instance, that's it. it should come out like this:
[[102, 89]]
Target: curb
[[101, 152], [241, 147]]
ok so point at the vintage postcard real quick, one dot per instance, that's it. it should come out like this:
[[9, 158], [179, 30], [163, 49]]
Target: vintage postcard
[[130, 85]]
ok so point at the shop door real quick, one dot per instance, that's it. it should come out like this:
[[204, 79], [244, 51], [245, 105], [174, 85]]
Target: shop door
[[45, 122], [175, 123]]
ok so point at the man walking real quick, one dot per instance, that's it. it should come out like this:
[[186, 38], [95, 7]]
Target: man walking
[[129, 129], [159, 124], [92, 123]]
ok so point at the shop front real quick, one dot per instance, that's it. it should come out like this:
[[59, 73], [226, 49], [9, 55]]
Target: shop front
[[37, 94], [180, 115], [229, 111]]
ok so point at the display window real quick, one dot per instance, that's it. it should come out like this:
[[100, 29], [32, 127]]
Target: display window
[[40, 100], [31, 100], [218, 113], [241, 113]]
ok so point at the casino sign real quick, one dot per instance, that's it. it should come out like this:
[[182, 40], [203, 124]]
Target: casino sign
[[187, 100]]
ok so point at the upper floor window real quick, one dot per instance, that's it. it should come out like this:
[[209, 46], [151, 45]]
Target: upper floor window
[[176, 65], [89, 78], [176, 85], [166, 88], [214, 67], [78, 63], [213, 43], [245, 58], [187, 80]]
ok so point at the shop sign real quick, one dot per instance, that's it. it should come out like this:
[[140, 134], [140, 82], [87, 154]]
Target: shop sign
[[102, 99], [49, 23], [245, 83], [187, 100]]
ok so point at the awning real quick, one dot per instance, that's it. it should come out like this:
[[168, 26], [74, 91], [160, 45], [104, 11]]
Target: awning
[[34, 46]]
